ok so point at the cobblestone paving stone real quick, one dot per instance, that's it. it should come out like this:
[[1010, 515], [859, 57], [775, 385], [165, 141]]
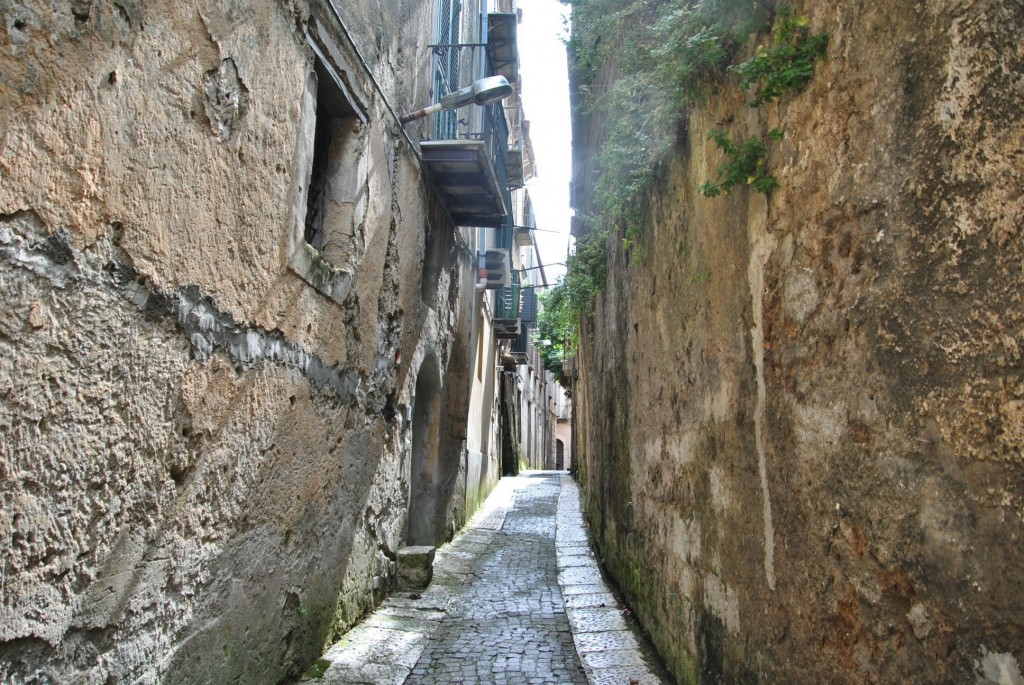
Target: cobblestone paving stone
[[508, 624], [506, 606]]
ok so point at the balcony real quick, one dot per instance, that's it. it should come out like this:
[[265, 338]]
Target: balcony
[[494, 271], [467, 158], [507, 303], [502, 44], [519, 350], [515, 168]]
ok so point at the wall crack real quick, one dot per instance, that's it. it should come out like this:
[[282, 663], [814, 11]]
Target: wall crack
[[208, 329]]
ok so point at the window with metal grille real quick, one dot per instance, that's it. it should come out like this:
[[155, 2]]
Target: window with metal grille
[[447, 20]]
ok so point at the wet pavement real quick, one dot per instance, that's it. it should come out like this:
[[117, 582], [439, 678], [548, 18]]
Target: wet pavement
[[517, 597]]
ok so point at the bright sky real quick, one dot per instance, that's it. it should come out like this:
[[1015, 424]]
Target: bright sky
[[542, 65]]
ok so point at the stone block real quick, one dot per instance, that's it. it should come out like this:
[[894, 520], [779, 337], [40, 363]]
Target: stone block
[[415, 567]]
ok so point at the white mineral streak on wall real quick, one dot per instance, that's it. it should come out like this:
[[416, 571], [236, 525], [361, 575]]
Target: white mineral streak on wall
[[762, 244]]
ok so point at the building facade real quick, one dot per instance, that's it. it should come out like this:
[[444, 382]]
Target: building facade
[[240, 303], [536, 411]]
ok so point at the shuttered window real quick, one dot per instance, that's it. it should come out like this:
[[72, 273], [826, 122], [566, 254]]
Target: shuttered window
[[447, 19]]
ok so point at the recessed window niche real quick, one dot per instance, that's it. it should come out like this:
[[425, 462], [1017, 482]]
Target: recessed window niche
[[331, 199]]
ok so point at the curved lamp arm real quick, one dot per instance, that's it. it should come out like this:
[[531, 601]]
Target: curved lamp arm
[[482, 92]]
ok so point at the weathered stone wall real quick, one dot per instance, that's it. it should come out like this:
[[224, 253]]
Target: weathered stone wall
[[204, 460], [800, 417]]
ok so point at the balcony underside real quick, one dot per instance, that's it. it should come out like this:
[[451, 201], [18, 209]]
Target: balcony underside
[[461, 172], [510, 360], [506, 329]]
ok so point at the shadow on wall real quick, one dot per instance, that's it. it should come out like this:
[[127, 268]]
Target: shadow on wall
[[423, 484]]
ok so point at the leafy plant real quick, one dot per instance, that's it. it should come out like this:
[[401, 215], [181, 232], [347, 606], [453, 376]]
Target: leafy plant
[[745, 165], [571, 298], [556, 322], [784, 67], [788, 64], [639, 67], [668, 55], [586, 272]]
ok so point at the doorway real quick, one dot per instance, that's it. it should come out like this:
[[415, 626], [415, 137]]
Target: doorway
[[423, 476]]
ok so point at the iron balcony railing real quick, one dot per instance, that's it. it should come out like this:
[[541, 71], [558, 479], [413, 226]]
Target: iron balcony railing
[[466, 124], [505, 232], [495, 133]]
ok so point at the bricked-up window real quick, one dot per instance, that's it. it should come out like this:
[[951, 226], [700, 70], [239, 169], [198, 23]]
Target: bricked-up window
[[336, 200]]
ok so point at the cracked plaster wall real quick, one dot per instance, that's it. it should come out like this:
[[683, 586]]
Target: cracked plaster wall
[[799, 417], [203, 460]]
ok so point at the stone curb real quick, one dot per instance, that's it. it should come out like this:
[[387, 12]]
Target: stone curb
[[606, 644]]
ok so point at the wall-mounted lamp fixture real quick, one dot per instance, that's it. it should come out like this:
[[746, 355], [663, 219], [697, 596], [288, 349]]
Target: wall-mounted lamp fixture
[[482, 92], [534, 228], [542, 266]]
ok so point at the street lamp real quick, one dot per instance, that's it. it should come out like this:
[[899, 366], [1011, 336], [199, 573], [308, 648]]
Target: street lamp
[[482, 92]]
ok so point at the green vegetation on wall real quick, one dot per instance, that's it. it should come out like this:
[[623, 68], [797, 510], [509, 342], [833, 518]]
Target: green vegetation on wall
[[669, 55], [562, 305], [788, 64], [744, 165], [665, 57]]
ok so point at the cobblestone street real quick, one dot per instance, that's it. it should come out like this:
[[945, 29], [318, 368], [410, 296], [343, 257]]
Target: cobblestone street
[[508, 623], [517, 597]]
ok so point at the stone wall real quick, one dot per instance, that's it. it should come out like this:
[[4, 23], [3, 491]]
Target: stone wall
[[204, 450], [800, 417]]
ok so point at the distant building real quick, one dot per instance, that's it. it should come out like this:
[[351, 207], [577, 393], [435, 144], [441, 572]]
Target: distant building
[[535, 407]]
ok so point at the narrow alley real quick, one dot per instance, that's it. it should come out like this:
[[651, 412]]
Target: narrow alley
[[288, 286], [517, 597]]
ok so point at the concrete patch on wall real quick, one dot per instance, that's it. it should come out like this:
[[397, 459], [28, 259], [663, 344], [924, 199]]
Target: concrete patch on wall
[[475, 463], [685, 535], [721, 495], [679, 448], [721, 400], [819, 427], [800, 295]]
